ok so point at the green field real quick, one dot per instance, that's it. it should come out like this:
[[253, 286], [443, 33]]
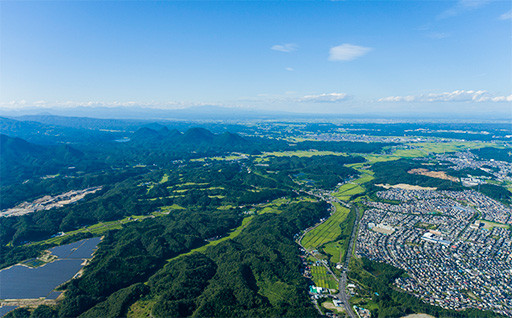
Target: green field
[[327, 231], [322, 278], [334, 249], [488, 225], [346, 191], [225, 158], [302, 153], [234, 233], [378, 158], [425, 148], [275, 205], [102, 227]]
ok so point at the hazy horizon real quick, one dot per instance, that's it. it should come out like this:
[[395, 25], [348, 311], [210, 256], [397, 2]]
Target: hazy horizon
[[449, 58]]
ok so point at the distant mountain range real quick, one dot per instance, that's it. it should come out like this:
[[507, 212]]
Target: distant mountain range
[[219, 113], [195, 113], [194, 139]]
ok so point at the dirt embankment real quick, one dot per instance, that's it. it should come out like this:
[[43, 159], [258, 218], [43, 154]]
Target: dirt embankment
[[28, 302], [433, 174], [405, 186]]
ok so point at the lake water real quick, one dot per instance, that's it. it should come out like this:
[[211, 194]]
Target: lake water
[[80, 249], [6, 309], [21, 282]]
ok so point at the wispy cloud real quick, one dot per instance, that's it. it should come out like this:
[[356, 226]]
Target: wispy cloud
[[506, 15], [463, 6], [325, 98], [455, 96], [347, 52], [438, 35], [287, 48], [18, 104], [290, 69]]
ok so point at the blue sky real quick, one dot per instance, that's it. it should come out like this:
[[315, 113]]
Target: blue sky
[[336, 56]]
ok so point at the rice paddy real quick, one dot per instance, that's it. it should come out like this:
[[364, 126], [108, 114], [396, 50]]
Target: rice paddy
[[323, 279], [327, 231]]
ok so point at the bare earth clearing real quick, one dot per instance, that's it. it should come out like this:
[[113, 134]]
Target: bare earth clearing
[[48, 202], [405, 186], [433, 174]]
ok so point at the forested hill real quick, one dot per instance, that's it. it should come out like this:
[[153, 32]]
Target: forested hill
[[22, 160], [192, 139]]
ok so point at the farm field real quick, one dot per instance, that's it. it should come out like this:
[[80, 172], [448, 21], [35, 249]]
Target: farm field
[[334, 249], [346, 191], [322, 278], [327, 231], [422, 149]]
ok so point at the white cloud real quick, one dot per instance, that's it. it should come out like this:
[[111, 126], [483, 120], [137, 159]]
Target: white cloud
[[287, 48], [325, 98], [506, 16], [347, 52], [455, 96], [462, 6], [290, 69]]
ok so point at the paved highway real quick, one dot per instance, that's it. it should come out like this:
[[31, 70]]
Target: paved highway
[[342, 294]]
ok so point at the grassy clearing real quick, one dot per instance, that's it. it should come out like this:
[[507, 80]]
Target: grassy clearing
[[327, 231], [102, 227], [334, 249], [302, 153], [322, 278], [275, 205], [276, 292], [234, 233], [187, 184], [226, 158], [141, 308], [165, 178], [367, 303], [488, 225]]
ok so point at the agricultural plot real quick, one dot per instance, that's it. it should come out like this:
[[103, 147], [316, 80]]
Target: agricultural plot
[[423, 149], [346, 191], [322, 278], [327, 231], [334, 249]]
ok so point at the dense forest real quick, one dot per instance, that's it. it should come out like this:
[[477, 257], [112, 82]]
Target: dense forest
[[183, 187], [394, 172]]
